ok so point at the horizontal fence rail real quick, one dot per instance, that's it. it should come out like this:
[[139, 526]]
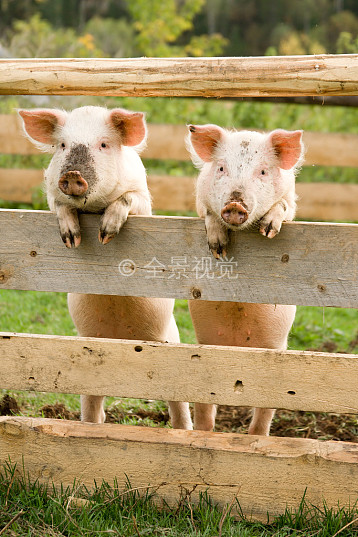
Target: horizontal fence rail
[[267, 475], [168, 142], [293, 380], [306, 264], [317, 201], [186, 77]]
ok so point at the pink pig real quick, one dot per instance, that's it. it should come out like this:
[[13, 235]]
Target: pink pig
[[246, 179], [96, 168]]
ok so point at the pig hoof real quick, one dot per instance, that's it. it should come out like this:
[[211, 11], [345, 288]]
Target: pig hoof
[[71, 239], [268, 231], [105, 237], [218, 250]]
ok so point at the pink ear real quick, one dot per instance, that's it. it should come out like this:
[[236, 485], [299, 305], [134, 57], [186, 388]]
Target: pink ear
[[204, 139], [288, 147], [130, 125], [40, 124]]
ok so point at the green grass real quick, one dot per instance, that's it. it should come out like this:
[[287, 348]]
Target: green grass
[[36, 510]]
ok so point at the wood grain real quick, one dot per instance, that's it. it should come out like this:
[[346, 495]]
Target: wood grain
[[175, 77], [294, 380], [267, 474], [309, 264], [18, 184]]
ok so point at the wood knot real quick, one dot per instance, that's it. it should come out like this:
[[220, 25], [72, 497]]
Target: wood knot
[[196, 293]]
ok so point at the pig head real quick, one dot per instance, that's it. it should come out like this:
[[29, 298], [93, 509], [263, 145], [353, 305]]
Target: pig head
[[95, 165], [247, 178]]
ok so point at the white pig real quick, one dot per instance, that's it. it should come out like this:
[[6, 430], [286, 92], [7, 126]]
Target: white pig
[[96, 168], [247, 179]]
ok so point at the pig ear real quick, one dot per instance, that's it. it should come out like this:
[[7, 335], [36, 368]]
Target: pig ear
[[130, 126], [40, 124], [204, 139], [287, 146]]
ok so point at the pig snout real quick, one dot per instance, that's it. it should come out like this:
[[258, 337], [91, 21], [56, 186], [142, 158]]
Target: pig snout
[[73, 184], [234, 213]]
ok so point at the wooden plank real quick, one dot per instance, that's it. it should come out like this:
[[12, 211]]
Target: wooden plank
[[267, 474], [168, 142], [171, 193], [327, 201], [182, 77], [308, 264], [293, 380], [17, 184], [317, 201]]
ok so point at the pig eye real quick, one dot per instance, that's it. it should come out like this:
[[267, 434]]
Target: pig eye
[[103, 145], [221, 168], [263, 172], [63, 145]]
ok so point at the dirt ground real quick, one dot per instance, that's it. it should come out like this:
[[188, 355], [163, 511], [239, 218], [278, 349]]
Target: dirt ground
[[324, 426]]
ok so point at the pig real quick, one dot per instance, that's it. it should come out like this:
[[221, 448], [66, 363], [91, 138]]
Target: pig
[[246, 180], [96, 168]]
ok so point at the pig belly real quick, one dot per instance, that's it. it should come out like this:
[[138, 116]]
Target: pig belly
[[242, 324], [121, 317]]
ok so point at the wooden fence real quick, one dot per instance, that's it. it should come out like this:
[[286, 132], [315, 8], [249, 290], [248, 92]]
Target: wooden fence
[[311, 264]]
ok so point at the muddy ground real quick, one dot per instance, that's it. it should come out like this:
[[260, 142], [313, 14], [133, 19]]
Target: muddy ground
[[324, 426]]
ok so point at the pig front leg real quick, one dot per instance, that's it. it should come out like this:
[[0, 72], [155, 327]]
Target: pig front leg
[[217, 235], [116, 214], [283, 211], [69, 225]]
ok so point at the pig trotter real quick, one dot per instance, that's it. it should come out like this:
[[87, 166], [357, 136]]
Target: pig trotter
[[218, 236], [71, 239], [69, 225], [113, 219], [271, 222]]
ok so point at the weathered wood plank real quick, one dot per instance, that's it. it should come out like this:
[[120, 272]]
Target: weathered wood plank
[[327, 201], [17, 184], [175, 77], [168, 142], [309, 264], [317, 201], [267, 474], [293, 380]]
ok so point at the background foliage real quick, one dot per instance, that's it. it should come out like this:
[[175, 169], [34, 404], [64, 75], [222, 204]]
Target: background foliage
[[126, 28]]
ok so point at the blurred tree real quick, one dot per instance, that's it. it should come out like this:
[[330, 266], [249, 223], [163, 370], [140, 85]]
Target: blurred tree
[[159, 24], [114, 36], [346, 44], [36, 38]]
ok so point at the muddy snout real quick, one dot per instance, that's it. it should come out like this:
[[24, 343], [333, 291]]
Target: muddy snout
[[73, 184], [234, 213]]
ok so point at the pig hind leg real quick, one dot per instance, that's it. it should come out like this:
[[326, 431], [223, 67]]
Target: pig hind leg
[[204, 416], [261, 421], [92, 408], [179, 411]]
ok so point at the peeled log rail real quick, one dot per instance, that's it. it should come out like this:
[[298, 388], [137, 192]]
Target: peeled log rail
[[295, 380], [306, 264], [267, 475], [183, 77]]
